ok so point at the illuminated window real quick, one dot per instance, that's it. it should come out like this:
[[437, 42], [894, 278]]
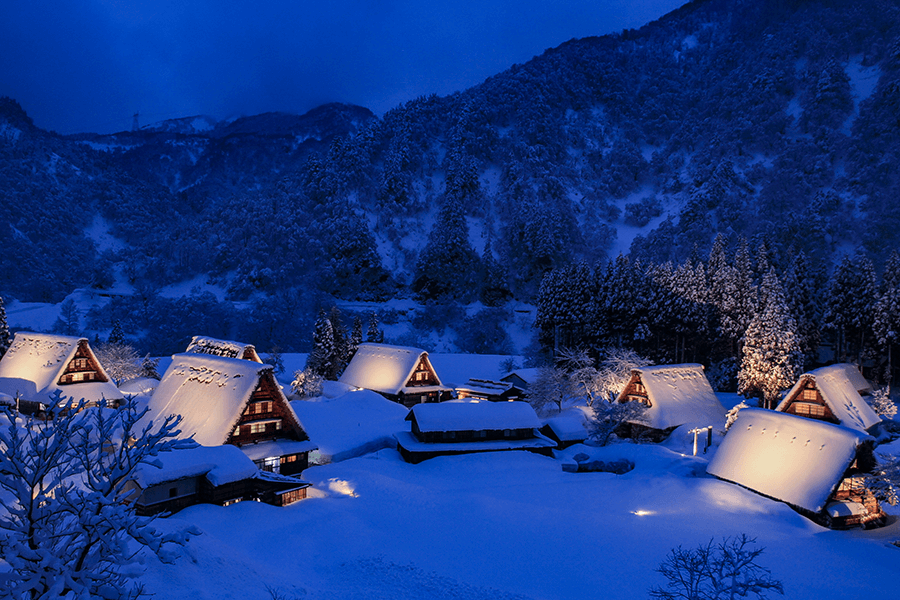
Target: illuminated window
[[232, 501], [809, 409], [257, 428], [809, 394], [289, 459], [277, 425], [237, 430]]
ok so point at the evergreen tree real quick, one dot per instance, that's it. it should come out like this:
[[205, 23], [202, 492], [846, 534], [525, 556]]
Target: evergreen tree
[[886, 317], [374, 335], [5, 339], [448, 267], [848, 310], [800, 291], [772, 357], [69, 320], [494, 286], [116, 336], [356, 337], [341, 342], [321, 359]]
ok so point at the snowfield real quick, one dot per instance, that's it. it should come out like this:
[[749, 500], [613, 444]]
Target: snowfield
[[506, 525]]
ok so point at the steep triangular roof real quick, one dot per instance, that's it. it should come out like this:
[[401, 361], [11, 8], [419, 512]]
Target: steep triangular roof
[[678, 394], [35, 362], [839, 386], [794, 459], [206, 345], [384, 368], [210, 393]]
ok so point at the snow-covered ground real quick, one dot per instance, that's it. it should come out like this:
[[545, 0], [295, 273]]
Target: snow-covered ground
[[507, 525]]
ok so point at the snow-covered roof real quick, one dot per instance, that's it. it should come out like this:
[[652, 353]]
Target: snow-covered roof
[[568, 428], [207, 345], [789, 458], [272, 448], [473, 416], [529, 376], [485, 387], [209, 392], [35, 362], [384, 368], [839, 386], [220, 465], [678, 394]]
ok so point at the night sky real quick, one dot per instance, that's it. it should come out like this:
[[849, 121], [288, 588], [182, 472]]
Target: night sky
[[88, 65]]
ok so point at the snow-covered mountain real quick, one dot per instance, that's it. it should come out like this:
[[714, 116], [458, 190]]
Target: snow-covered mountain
[[767, 119]]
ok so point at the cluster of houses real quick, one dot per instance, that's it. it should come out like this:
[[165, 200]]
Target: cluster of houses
[[812, 452]]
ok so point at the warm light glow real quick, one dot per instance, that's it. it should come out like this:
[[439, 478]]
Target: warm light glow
[[642, 513], [341, 486]]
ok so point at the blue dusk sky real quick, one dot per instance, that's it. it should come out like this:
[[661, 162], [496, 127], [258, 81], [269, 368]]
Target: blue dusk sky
[[88, 65]]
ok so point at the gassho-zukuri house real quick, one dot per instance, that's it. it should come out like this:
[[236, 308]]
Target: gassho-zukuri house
[[233, 401], [207, 345], [674, 395], [398, 373], [832, 394], [815, 467], [39, 364], [220, 475], [461, 427]]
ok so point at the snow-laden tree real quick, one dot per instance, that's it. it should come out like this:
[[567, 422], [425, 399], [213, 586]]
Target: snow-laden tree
[[149, 367], [800, 292], [68, 528], [848, 309], [341, 342], [772, 358], [5, 340], [307, 383], [321, 359], [356, 338], [881, 402], [117, 335], [551, 388], [120, 361], [723, 571], [886, 313], [374, 334], [69, 320], [732, 415]]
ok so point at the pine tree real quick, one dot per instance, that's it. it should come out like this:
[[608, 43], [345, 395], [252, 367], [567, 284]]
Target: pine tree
[[772, 358], [799, 289], [341, 342], [356, 337], [494, 286], [69, 321], [374, 335], [116, 336], [5, 340], [848, 310], [886, 317], [321, 359]]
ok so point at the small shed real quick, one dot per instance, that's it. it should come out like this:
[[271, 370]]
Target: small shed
[[674, 395], [493, 391], [462, 427], [398, 373], [815, 467], [566, 430], [832, 394], [207, 345], [39, 364], [233, 401], [521, 378], [220, 475]]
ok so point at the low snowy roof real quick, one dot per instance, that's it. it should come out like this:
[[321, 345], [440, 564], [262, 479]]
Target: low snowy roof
[[839, 385], [209, 392], [679, 394], [207, 345], [41, 358], [273, 448], [486, 387], [383, 368], [789, 458], [568, 428], [220, 465], [409, 442], [529, 376], [473, 416]]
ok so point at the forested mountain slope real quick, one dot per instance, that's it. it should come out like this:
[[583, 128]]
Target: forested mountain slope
[[774, 120]]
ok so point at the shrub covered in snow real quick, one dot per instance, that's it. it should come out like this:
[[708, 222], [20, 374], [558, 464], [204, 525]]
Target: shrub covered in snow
[[307, 383]]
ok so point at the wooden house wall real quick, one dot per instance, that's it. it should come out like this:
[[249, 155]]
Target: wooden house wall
[[257, 412], [470, 435], [423, 375], [635, 391], [82, 368], [808, 402]]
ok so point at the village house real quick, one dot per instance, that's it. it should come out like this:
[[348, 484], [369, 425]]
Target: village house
[[493, 391], [674, 395], [233, 401], [401, 374], [566, 430], [832, 394], [207, 345], [37, 365], [815, 467], [521, 378], [220, 475], [462, 427]]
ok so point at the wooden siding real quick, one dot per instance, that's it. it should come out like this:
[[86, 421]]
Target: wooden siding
[[635, 391], [266, 417], [808, 402], [82, 368], [424, 374]]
